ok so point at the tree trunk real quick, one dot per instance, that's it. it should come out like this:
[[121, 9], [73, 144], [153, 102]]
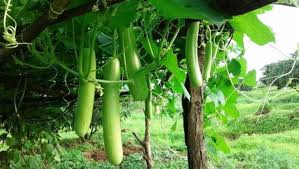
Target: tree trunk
[[193, 124]]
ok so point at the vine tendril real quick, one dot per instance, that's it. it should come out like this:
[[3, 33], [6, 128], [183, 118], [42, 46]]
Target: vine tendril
[[9, 33]]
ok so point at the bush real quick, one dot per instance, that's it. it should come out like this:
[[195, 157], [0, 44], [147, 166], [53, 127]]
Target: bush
[[269, 123], [26, 161], [288, 97]]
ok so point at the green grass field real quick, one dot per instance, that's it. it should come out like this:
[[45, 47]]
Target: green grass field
[[268, 140], [257, 141]]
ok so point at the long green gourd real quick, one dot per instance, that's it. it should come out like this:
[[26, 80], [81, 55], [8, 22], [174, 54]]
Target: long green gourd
[[211, 51], [191, 52], [138, 88], [86, 91], [208, 60], [111, 113]]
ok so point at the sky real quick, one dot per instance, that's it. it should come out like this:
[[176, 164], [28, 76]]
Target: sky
[[284, 22]]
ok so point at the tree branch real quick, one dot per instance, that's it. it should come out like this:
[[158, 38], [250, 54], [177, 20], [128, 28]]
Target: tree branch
[[47, 19], [138, 139], [32, 31]]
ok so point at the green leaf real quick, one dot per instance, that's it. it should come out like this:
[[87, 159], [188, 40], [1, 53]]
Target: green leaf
[[171, 63], [228, 90], [171, 107], [209, 108], [250, 79], [250, 25], [188, 9], [217, 97], [221, 55], [220, 97], [150, 47], [243, 64], [234, 67], [222, 145], [140, 81], [122, 14], [239, 39], [175, 85], [231, 110], [219, 141], [232, 98], [2, 131]]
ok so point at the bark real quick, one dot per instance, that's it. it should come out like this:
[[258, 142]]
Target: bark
[[193, 125]]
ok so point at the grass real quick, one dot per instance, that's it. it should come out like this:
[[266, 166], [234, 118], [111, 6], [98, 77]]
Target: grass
[[263, 141], [161, 133], [269, 140], [283, 115], [167, 145], [283, 143]]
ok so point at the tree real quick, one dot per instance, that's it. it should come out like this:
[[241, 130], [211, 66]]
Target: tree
[[281, 74]]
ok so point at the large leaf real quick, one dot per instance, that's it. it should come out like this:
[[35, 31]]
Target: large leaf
[[122, 14], [231, 110], [238, 38], [219, 141], [188, 9], [171, 107], [171, 63], [217, 97], [250, 25], [234, 67], [150, 47], [243, 64], [250, 79], [174, 84]]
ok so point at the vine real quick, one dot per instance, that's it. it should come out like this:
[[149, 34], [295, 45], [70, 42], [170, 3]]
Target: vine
[[9, 33]]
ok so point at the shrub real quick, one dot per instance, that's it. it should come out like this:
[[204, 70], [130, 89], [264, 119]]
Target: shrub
[[270, 123]]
